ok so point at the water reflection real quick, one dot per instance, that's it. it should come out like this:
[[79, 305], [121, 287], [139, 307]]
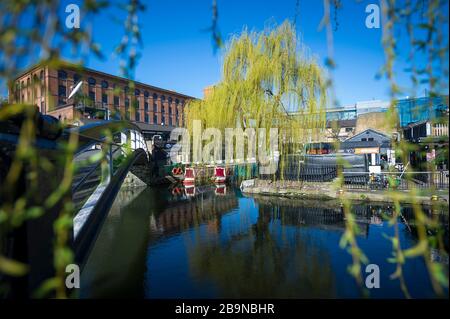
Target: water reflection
[[213, 242]]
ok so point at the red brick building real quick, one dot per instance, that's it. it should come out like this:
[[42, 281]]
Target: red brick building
[[102, 96]]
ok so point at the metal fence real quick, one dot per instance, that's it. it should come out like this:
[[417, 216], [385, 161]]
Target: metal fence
[[364, 180], [397, 180]]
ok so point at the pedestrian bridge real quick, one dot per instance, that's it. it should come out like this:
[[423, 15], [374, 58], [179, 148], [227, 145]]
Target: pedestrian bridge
[[107, 151], [105, 154]]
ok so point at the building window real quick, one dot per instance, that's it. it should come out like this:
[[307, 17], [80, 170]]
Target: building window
[[35, 82], [105, 98], [92, 95], [76, 78], [363, 139], [170, 120], [138, 116], [116, 100], [136, 105], [170, 100], [146, 94], [91, 81], [61, 94], [170, 110], [41, 75], [177, 101], [127, 109], [146, 106], [155, 119], [105, 84], [155, 96], [137, 92], [348, 129], [62, 75], [163, 98], [146, 117], [370, 139], [163, 119], [155, 108]]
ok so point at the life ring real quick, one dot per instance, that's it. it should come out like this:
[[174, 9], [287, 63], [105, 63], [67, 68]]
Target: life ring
[[177, 171]]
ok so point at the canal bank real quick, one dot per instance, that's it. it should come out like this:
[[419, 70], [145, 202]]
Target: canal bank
[[328, 191]]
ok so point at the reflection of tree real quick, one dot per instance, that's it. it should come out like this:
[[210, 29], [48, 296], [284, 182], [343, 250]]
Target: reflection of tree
[[174, 215], [259, 264]]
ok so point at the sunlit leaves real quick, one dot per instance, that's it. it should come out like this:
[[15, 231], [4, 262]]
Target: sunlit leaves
[[12, 267]]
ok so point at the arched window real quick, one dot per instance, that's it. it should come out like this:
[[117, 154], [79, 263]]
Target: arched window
[[35, 82], [163, 98], [126, 89], [91, 81], [170, 100], [137, 92], [155, 96], [76, 78], [146, 94], [105, 84], [62, 75], [177, 101]]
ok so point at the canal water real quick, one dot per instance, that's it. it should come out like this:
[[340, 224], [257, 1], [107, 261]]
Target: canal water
[[217, 243]]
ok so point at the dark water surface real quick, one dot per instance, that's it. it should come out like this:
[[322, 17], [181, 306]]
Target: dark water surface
[[215, 243]]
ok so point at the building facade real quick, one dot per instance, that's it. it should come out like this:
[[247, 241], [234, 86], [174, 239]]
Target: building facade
[[101, 96], [422, 109], [376, 145]]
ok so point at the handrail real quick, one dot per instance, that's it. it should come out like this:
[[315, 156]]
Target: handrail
[[75, 188], [85, 239], [94, 132]]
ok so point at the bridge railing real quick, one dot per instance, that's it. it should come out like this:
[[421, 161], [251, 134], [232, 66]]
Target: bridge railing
[[115, 146]]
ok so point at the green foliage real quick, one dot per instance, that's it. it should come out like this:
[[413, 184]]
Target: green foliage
[[44, 35], [269, 80]]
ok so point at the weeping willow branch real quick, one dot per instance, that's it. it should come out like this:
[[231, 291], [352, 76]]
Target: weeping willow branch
[[268, 81]]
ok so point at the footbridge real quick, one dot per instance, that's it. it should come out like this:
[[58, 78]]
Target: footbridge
[[107, 154]]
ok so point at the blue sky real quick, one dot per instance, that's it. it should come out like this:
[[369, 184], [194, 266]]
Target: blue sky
[[178, 54]]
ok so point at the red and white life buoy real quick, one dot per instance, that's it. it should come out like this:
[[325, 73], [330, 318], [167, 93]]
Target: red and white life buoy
[[189, 176]]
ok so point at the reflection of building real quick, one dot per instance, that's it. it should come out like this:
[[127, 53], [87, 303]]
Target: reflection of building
[[422, 109], [205, 207], [376, 144], [313, 214], [101, 96]]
